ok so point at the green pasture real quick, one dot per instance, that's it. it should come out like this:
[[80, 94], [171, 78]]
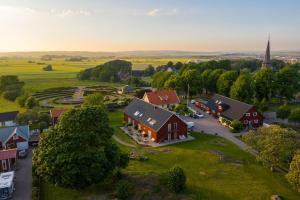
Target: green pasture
[[215, 168]]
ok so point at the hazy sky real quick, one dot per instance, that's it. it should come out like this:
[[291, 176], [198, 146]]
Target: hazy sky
[[120, 25]]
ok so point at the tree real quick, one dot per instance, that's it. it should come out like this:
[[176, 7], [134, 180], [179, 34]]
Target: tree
[[48, 68], [149, 71], [295, 115], [213, 78], [95, 99], [160, 78], [293, 176], [204, 76], [31, 102], [78, 152], [236, 126], [283, 112], [44, 120], [263, 105], [172, 83], [242, 88], [264, 82], [225, 82], [275, 145], [22, 100], [287, 82], [176, 179], [190, 78], [10, 95], [27, 117], [11, 87]]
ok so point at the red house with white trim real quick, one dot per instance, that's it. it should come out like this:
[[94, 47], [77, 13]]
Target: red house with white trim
[[231, 109], [154, 123]]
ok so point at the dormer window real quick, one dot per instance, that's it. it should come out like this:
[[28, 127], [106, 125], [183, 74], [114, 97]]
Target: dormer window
[[247, 114]]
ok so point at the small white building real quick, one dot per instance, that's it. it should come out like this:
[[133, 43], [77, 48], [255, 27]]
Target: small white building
[[8, 118]]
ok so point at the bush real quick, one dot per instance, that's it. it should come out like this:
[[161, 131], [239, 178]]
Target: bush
[[31, 102], [124, 190], [293, 176], [236, 126], [48, 68], [283, 112], [176, 179], [10, 95], [21, 100], [295, 115]]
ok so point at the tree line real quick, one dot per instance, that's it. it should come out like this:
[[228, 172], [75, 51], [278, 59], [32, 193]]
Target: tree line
[[258, 86]]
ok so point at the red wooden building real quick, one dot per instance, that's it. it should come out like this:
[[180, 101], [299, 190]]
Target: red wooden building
[[151, 121], [56, 114], [8, 159], [231, 109]]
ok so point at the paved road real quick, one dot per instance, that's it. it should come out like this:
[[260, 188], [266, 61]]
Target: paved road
[[23, 178], [210, 125]]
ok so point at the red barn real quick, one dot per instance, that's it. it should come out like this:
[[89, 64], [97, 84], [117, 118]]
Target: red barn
[[56, 114], [151, 121], [231, 109]]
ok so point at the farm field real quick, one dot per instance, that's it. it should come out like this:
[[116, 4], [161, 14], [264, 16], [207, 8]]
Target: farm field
[[215, 169]]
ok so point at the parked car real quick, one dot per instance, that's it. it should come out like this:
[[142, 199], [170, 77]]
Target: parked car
[[193, 101], [190, 125], [23, 153], [193, 115], [199, 115]]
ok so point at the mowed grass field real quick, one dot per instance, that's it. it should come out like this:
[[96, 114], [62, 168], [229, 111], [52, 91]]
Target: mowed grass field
[[236, 177], [30, 70]]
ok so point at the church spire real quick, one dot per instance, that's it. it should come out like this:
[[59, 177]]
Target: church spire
[[267, 60]]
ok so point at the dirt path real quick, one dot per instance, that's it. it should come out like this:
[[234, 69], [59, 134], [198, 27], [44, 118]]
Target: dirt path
[[122, 142]]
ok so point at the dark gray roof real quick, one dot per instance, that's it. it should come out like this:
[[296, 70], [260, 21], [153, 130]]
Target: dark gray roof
[[147, 113], [8, 116], [235, 109]]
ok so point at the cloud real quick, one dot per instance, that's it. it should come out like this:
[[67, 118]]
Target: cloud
[[69, 12], [162, 12]]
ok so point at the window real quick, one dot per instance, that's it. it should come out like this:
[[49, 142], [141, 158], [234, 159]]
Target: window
[[169, 127], [245, 121], [247, 114], [175, 126], [255, 114], [256, 121], [15, 137]]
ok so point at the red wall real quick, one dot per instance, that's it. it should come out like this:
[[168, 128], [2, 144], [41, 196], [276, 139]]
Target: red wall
[[163, 131], [251, 118], [11, 143]]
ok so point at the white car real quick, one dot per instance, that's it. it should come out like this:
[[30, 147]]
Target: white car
[[199, 115], [193, 101]]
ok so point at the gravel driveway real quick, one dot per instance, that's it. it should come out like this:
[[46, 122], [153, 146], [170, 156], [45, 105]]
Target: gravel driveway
[[210, 125], [23, 178]]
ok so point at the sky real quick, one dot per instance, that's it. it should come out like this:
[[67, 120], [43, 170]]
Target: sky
[[128, 25]]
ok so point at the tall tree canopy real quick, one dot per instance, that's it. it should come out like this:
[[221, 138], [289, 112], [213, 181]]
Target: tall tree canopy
[[225, 82], [264, 84], [160, 78], [11, 87], [79, 151], [213, 78], [242, 88], [190, 78], [287, 82]]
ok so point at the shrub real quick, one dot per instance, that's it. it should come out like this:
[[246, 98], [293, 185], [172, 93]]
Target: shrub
[[176, 179], [293, 176], [295, 115], [124, 190], [31, 102], [236, 126], [10, 95], [283, 112], [21, 100], [48, 68]]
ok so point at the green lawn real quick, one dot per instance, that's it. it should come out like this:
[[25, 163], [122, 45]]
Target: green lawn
[[236, 176]]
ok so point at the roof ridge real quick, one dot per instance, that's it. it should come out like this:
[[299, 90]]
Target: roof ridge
[[157, 107], [234, 99]]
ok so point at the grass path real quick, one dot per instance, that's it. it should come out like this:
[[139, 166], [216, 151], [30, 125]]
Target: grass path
[[122, 142]]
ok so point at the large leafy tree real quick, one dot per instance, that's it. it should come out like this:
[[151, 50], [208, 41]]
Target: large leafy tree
[[264, 84], [295, 115], [204, 76], [191, 78], [242, 88], [160, 78], [275, 145], [79, 151], [225, 82], [288, 82], [11, 87], [213, 78], [293, 175]]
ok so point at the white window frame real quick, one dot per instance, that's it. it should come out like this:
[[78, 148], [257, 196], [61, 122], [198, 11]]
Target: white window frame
[[256, 121], [255, 114], [175, 126], [247, 114], [169, 127]]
